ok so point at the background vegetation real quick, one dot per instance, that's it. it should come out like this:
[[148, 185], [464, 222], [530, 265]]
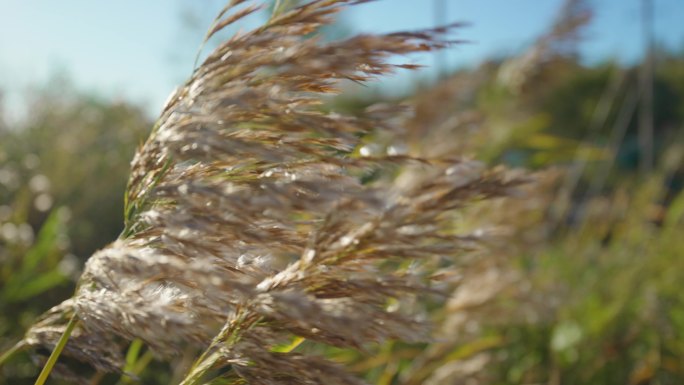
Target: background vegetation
[[585, 286]]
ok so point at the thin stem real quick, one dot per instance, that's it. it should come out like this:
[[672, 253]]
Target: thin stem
[[143, 362], [97, 378], [57, 351], [229, 335], [276, 7], [6, 355], [130, 375], [279, 7]]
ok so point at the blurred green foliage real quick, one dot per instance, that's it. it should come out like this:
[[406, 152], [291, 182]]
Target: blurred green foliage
[[615, 284], [63, 170], [604, 302]]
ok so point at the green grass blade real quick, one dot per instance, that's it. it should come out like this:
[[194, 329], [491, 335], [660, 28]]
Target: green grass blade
[[54, 356]]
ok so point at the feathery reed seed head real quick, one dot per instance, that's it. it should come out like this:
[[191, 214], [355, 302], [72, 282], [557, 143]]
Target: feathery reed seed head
[[247, 220]]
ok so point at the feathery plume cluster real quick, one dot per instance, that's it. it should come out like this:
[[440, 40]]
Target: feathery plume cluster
[[490, 289], [254, 216], [560, 41]]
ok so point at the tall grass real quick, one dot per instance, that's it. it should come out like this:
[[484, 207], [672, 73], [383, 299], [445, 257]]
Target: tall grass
[[271, 240], [254, 219]]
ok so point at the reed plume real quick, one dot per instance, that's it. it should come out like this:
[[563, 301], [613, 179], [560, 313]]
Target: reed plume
[[254, 216]]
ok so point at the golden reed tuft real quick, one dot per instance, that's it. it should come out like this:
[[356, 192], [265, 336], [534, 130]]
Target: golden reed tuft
[[249, 219]]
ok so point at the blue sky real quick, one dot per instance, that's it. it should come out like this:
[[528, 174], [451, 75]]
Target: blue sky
[[140, 50]]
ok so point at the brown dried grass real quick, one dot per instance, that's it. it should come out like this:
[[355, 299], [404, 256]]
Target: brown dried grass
[[248, 223]]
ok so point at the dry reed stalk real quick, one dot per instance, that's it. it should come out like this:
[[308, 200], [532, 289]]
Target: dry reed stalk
[[560, 41], [491, 290], [246, 214]]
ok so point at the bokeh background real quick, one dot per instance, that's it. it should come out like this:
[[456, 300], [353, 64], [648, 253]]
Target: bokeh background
[[588, 95]]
